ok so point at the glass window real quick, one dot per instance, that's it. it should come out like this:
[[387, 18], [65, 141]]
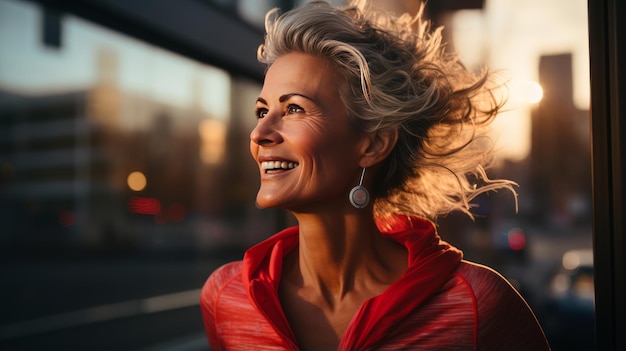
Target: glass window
[[125, 175], [542, 138], [125, 179]]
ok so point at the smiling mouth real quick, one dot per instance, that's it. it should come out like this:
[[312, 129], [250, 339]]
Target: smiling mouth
[[277, 166]]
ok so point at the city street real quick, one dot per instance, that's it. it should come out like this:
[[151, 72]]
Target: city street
[[104, 304]]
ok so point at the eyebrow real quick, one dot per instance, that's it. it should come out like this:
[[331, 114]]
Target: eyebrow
[[285, 97]]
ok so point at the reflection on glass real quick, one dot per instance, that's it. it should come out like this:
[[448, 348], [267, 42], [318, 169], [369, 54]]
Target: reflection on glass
[[110, 145], [543, 144], [109, 138]]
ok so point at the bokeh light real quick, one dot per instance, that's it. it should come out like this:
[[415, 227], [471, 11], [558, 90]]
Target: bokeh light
[[137, 181]]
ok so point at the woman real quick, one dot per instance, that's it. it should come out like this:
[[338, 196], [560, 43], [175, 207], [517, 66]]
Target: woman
[[366, 132]]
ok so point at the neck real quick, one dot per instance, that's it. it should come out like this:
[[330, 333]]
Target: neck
[[337, 253]]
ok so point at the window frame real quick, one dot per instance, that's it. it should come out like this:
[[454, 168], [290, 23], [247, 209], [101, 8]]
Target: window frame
[[608, 135], [192, 28]]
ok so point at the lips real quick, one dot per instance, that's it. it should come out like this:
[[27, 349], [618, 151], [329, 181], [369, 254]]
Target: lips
[[278, 165]]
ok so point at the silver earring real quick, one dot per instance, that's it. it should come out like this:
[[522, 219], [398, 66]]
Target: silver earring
[[359, 196]]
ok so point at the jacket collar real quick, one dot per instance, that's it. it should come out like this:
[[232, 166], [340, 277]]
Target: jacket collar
[[431, 262]]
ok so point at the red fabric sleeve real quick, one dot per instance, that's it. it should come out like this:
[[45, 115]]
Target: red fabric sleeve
[[209, 297], [505, 321]]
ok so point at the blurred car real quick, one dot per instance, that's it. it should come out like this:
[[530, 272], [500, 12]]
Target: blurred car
[[568, 317]]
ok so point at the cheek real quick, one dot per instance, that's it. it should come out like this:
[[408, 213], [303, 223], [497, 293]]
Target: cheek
[[335, 141], [327, 151], [254, 148], [320, 136]]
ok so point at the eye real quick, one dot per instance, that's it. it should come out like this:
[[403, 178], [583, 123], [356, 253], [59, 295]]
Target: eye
[[293, 108], [260, 112]]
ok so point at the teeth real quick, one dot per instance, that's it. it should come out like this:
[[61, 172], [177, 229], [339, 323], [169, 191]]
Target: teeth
[[270, 165]]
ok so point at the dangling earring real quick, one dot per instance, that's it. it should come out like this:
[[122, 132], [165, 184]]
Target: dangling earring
[[359, 196]]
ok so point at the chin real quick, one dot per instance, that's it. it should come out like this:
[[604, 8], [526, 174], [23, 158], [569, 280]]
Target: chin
[[265, 202]]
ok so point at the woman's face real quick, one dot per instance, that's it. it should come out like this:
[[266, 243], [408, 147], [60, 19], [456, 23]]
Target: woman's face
[[305, 146]]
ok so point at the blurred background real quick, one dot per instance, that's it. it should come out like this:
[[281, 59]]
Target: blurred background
[[125, 175]]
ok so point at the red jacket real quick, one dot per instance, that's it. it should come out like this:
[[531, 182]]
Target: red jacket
[[440, 303]]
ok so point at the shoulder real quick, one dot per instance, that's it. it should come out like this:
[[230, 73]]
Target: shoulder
[[485, 281], [225, 273], [504, 319], [221, 289], [493, 294], [220, 278]]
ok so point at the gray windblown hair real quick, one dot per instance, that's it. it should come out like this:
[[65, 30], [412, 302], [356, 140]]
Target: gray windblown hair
[[397, 77]]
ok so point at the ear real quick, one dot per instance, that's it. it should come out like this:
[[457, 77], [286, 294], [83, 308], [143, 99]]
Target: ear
[[377, 147]]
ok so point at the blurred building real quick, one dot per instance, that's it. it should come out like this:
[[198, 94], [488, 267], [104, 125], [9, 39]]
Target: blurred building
[[560, 158], [66, 160]]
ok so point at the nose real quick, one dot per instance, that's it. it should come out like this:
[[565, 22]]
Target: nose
[[266, 132]]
